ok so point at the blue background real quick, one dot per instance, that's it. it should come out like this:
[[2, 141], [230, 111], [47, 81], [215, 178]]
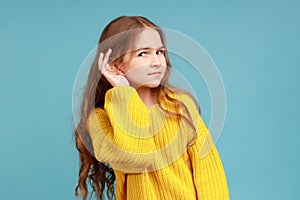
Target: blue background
[[255, 45]]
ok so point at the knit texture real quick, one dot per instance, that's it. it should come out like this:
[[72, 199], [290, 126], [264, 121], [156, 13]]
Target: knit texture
[[149, 151]]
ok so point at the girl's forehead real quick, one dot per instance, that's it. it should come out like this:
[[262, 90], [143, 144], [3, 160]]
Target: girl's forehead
[[148, 38]]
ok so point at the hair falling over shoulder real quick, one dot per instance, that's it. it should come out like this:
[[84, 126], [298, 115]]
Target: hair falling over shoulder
[[99, 175]]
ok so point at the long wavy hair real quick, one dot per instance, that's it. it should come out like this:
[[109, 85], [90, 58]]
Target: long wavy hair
[[119, 35]]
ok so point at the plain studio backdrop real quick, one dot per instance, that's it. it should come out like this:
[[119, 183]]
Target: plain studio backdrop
[[255, 45]]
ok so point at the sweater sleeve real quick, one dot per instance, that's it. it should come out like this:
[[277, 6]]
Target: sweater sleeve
[[208, 173], [120, 131]]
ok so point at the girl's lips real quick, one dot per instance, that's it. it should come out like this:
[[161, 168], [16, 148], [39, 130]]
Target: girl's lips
[[154, 73]]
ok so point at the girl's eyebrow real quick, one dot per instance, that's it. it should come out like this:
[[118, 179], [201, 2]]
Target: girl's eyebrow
[[147, 48]]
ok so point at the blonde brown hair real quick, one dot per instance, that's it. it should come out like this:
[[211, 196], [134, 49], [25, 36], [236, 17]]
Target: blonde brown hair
[[119, 35]]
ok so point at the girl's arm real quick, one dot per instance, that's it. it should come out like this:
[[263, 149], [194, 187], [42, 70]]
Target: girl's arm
[[209, 176], [120, 131], [208, 172]]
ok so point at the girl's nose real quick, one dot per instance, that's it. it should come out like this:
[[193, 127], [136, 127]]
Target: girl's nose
[[155, 61]]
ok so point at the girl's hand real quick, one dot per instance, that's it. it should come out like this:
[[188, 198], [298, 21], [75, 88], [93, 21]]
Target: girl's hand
[[112, 74]]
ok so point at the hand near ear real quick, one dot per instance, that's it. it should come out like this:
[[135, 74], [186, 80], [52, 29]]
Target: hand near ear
[[114, 75]]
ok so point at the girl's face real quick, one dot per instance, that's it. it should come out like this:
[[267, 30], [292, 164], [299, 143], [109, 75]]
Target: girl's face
[[147, 64]]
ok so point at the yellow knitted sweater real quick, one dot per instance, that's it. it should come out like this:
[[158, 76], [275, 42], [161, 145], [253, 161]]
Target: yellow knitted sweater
[[149, 150]]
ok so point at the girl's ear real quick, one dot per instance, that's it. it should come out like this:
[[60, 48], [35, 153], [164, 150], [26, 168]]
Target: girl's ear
[[118, 68]]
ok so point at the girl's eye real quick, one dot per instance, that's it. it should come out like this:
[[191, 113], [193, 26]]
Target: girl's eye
[[145, 52], [142, 53], [160, 52]]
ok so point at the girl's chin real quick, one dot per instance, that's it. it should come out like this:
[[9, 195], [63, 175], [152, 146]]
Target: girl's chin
[[149, 85], [153, 85]]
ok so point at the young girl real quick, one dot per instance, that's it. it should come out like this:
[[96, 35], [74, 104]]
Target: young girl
[[139, 131]]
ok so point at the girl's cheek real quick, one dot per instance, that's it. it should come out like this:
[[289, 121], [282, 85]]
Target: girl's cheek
[[133, 67], [127, 69]]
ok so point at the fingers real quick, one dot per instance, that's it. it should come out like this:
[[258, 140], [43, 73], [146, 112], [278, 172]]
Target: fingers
[[100, 63], [103, 59], [111, 72]]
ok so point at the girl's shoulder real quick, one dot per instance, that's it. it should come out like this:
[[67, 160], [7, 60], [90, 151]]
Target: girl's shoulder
[[186, 98], [96, 115]]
